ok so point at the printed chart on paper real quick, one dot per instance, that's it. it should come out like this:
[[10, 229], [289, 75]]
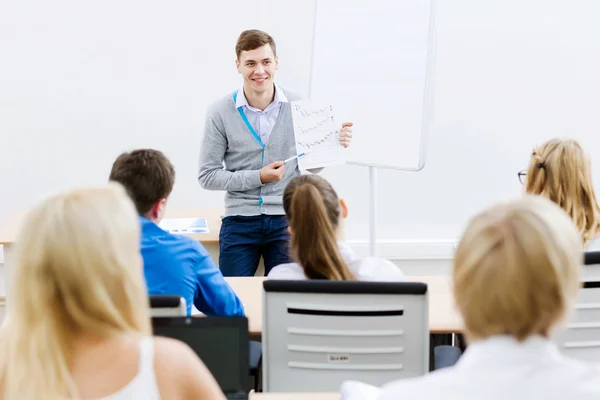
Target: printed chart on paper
[[317, 135]]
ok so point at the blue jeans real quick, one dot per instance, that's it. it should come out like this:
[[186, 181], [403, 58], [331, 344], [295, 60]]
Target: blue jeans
[[244, 239]]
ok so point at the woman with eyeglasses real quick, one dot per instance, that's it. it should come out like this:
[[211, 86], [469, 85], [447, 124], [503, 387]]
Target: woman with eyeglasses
[[561, 171]]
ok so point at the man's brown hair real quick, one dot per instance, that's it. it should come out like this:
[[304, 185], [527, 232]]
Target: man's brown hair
[[253, 39], [147, 176]]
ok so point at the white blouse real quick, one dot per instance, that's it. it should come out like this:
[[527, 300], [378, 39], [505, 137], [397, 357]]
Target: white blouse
[[593, 245], [365, 269]]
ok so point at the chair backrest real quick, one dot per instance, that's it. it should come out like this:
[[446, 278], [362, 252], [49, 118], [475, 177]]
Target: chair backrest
[[580, 338], [167, 306], [591, 267], [222, 343], [318, 334]]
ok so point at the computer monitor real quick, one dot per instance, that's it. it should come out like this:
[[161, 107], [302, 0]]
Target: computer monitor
[[220, 342]]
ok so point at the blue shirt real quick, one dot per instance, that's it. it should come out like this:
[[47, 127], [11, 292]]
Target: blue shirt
[[179, 265]]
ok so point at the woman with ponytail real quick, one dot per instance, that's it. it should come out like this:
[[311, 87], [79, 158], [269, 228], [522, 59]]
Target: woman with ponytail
[[77, 324], [315, 216], [560, 170]]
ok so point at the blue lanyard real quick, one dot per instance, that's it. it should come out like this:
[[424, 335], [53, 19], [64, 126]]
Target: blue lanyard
[[243, 115], [253, 132]]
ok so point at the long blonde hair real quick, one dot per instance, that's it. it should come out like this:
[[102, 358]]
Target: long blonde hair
[[77, 271], [517, 269], [313, 211], [561, 171]]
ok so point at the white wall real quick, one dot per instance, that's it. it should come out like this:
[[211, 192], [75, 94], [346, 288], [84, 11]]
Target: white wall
[[509, 74]]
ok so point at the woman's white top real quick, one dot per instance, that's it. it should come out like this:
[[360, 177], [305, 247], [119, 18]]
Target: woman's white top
[[498, 368], [593, 245], [365, 269], [143, 386]]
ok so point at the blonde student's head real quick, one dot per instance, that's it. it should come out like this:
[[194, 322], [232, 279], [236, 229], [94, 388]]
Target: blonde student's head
[[314, 214], [77, 272], [517, 268], [560, 170]]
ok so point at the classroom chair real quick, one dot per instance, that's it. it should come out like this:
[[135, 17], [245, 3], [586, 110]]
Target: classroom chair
[[220, 342], [175, 306], [580, 338], [167, 306], [591, 268], [318, 334]]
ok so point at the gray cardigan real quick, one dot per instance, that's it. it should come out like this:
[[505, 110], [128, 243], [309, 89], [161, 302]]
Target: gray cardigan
[[231, 158]]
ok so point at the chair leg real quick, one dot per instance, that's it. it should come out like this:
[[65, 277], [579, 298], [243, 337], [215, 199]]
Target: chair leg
[[258, 376], [445, 356], [255, 358]]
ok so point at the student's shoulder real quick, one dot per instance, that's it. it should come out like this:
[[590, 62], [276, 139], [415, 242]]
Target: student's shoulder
[[172, 357], [429, 386], [184, 246], [380, 269], [583, 370], [179, 372], [195, 246], [170, 349], [287, 271]]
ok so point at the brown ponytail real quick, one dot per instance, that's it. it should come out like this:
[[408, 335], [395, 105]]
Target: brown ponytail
[[313, 210]]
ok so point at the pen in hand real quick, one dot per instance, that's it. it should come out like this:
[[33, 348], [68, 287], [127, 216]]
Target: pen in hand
[[293, 158]]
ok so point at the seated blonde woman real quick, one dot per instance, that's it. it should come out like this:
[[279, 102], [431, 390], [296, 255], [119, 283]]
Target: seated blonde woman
[[516, 277], [77, 325], [561, 171], [315, 217]]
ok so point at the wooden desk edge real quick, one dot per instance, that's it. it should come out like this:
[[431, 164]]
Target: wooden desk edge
[[294, 396]]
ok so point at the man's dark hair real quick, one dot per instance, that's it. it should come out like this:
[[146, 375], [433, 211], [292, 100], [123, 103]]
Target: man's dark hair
[[147, 176], [253, 39]]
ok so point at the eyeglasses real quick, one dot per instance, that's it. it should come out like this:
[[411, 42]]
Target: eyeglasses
[[522, 175]]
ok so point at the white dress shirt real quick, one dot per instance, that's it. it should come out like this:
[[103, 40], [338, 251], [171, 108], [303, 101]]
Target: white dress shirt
[[365, 269], [502, 368], [262, 121]]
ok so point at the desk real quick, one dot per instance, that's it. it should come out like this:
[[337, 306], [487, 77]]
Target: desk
[[443, 317], [294, 396]]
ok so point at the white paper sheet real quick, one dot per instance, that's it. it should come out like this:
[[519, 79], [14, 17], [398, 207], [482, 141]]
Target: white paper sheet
[[317, 135], [184, 226]]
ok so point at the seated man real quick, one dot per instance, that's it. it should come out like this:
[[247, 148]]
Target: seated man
[[173, 264]]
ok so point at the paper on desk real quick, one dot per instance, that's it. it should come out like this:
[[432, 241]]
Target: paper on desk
[[184, 226], [317, 135], [354, 390]]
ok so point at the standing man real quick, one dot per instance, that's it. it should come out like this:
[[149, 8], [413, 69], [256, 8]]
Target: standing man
[[247, 135]]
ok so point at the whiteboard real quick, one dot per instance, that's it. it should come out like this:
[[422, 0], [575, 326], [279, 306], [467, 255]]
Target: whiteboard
[[81, 82], [373, 61]]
